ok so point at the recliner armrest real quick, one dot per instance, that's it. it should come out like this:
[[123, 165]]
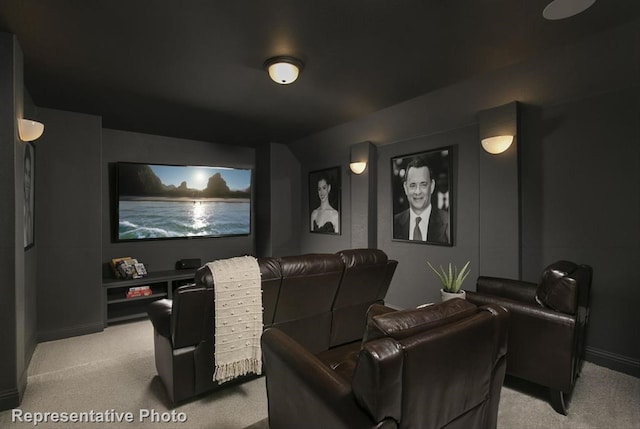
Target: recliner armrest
[[191, 321], [376, 309], [541, 341], [377, 381], [529, 310], [507, 288], [160, 315], [319, 391]]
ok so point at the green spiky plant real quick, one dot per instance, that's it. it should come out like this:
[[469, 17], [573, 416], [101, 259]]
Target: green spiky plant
[[451, 279]]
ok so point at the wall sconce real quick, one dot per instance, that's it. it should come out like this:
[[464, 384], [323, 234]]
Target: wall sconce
[[29, 130], [497, 144], [357, 167], [283, 70]]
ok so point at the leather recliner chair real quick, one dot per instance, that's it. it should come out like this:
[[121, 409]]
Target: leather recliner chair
[[183, 332], [301, 295], [436, 367], [309, 285], [365, 281], [547, 325]]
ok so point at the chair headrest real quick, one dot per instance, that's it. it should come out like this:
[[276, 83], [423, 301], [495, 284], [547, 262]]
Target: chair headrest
[[354, 257], [405, 323], [318, 263], [269, 268], [204, 277], [558, 288]]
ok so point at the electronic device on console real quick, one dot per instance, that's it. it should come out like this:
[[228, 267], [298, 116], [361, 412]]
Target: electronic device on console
[[188, 264]]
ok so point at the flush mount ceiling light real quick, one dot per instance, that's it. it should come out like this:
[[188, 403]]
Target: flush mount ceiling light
[[497, 144], [29, 130], [561, 9], [283, 70]]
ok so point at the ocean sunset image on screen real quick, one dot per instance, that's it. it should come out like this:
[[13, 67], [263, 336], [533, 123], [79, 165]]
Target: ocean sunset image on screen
[[176, 201]]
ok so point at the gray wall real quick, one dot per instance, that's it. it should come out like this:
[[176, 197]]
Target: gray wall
[[318, 158], [498, 192], [286, 188], [30, 327], [364, 197], [579, 161], [68, 225], [162, 254], [9, 246], [73, 222], [413, 282], [581, 201], [262, 192], [17, 265]]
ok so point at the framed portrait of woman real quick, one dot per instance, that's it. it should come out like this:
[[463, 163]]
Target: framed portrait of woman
[[423, 197], [324, 201]]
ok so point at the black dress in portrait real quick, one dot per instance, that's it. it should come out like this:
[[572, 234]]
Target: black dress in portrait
[[327, 227]]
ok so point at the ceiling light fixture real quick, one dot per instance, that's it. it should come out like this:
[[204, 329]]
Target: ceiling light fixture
[[283, 70], [561, 9], [29, 130], [497, 144]]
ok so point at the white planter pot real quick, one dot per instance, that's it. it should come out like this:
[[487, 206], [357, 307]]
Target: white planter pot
[[448, 295]]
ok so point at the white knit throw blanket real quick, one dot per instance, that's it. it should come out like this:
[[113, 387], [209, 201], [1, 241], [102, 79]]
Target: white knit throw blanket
[[238, 318]]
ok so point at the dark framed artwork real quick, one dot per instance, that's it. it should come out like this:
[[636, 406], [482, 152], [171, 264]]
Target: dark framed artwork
[[29, 194], [324, 201], [423, 197]]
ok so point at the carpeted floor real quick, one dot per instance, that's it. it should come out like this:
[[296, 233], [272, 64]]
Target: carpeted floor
[[113, 371]]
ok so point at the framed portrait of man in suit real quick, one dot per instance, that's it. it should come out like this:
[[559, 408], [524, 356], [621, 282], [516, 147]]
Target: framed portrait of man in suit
[[423, 197]]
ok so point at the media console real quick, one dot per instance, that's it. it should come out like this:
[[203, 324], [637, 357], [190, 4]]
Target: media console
[[119, 308]]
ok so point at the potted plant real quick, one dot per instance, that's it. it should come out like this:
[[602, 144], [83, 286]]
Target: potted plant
[[451, 280]]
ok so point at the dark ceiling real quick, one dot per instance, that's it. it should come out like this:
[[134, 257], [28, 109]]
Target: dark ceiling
[[193, 68]]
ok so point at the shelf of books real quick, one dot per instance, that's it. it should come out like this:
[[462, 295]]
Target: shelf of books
[[128, 298], [131, 296]]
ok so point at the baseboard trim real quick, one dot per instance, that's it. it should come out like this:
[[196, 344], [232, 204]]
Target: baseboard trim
[[9, 399], [613, 361], [59, 334]]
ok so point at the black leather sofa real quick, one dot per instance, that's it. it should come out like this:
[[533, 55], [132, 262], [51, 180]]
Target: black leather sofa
[[320, 300]]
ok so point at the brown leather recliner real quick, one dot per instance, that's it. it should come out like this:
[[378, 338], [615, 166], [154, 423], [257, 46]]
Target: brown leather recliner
[[302, 295], [183, 332], [437, 367], [309, 285], [547, 325], [365, 281]]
